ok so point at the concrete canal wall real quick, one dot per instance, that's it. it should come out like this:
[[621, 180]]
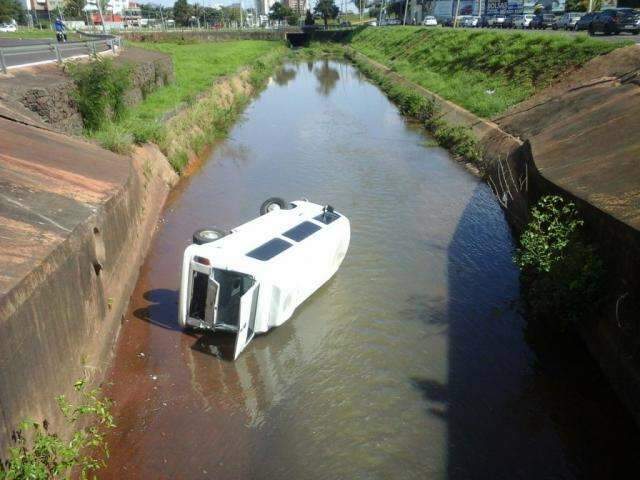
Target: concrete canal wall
[[75, 223], [577, 138]]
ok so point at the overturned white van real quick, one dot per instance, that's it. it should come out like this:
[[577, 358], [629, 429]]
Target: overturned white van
[[253, 278]]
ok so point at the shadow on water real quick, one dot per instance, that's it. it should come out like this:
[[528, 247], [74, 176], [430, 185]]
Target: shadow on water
[[539, 412], [162, 310], [284, 75]]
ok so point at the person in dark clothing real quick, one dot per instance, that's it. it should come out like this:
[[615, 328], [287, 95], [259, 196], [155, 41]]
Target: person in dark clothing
[[60, 28]]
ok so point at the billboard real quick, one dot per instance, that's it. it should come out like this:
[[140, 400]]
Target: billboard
[[505, 7]]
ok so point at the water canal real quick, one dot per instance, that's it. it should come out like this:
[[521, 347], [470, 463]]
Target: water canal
[[413, 362]]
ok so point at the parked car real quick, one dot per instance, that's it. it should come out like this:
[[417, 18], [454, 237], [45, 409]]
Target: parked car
[[484, 21], [585, 21], [471, 21], [446, 21], [429, 21], [7, 27], [568, 21], [509, 22], [542, 21], [497, 21], [615, 21], [522, 21]]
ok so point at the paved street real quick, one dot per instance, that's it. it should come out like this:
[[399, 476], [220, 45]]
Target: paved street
[[33, 51]]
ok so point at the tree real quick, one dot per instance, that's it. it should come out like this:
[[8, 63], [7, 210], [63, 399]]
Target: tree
[[308, 18], [73, 9], [360, 5], [396, 8], [181, 12], [279, 11], [327, 9], [11, 10]]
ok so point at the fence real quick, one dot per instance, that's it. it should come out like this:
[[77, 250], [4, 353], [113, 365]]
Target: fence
[[38, 53]]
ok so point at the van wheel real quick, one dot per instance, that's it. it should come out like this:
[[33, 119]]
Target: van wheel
[[272, 204], [207, 235]]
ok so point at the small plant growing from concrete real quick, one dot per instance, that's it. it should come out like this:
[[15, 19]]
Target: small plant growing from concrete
[[561, 273], [39, 454]]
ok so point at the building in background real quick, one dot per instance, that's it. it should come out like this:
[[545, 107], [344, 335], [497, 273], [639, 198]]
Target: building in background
[[298, 6], [263, 6]]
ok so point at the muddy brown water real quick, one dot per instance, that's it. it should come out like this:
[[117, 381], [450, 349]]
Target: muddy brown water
[[412, 362]]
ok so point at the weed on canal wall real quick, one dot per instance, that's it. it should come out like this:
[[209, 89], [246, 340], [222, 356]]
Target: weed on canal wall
[[39, 454], [560, 272]]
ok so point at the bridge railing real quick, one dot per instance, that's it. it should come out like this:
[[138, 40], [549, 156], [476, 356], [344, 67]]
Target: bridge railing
[[16, 56]]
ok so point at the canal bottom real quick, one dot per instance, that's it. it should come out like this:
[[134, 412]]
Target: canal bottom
[[412, 362]]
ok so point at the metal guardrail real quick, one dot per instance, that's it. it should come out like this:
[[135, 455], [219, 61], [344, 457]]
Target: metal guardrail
[[24, 55]]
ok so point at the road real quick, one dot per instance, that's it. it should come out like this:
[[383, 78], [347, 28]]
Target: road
[[35, 50]]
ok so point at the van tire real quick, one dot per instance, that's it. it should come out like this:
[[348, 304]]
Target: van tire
[[271, 203], [207, 235]]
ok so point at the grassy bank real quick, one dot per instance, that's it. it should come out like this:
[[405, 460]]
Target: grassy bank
[[482, 71], [161, 115]]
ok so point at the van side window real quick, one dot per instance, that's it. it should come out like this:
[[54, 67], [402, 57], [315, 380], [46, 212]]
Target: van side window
[[270, 249], [301, 231]]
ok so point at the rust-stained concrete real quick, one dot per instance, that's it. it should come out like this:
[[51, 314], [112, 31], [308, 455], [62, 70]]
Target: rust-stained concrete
[[75, 222]]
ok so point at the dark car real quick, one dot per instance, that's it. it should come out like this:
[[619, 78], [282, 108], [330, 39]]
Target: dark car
[[585, 21], [509, 22], [484, 21], [615, 21], [542, 21]]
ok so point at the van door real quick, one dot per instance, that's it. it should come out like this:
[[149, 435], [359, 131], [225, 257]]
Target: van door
[[247, 319], [211, 306]]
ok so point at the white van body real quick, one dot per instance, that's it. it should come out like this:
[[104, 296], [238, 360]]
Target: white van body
[[253, 279]]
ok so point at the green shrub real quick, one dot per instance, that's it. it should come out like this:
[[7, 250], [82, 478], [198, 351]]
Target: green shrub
[[38, 454], [561, 273], [100, 90], [458, 140], [115, 137]]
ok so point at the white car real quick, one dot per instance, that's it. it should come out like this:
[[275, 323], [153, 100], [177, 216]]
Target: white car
[[252, 279], [497, 21], [469, 21], [522, 21], [429, 21], [7, 27]]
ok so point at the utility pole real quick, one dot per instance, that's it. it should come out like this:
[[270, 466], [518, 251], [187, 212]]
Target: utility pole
[[406, 7], [104, 29], [455, 19], [590, 5]]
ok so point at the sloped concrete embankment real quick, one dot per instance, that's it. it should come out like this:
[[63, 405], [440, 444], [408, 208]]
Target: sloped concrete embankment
[[75, 222], [583, 140], [45, 93], [578, 138]]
